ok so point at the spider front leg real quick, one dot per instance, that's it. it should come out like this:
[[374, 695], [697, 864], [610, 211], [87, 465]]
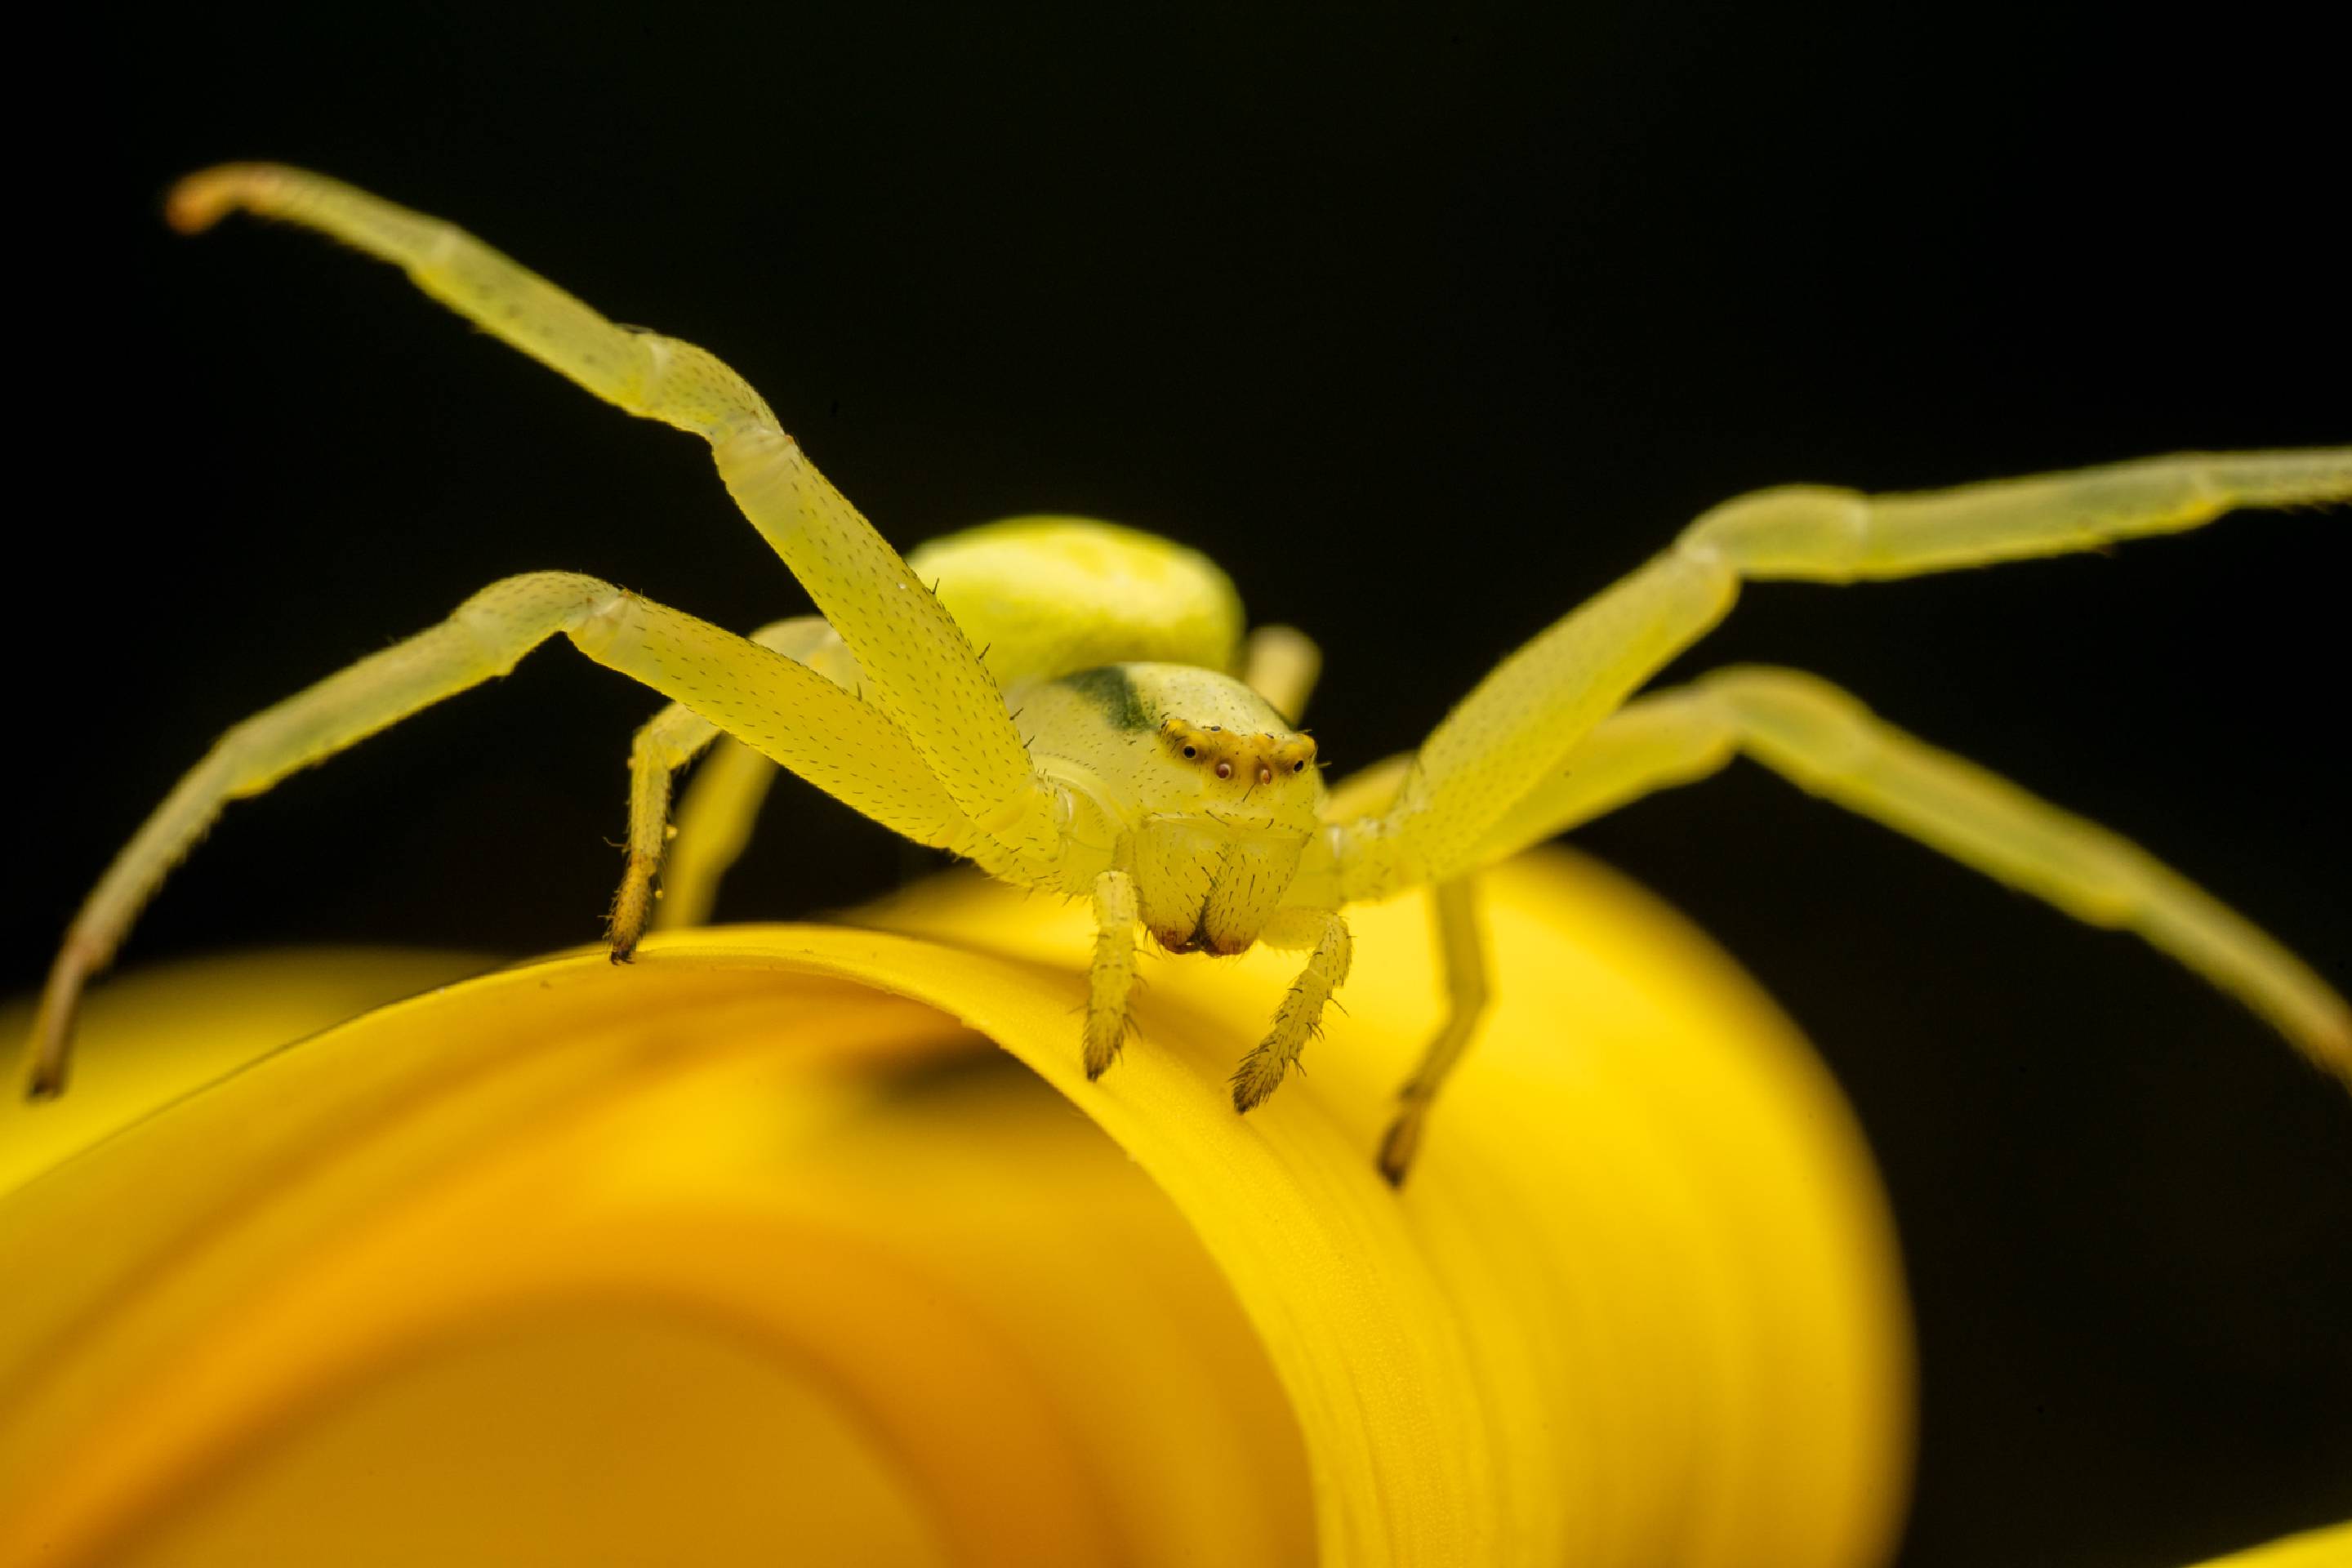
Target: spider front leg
[[797, 717], [1110, 979], [918, 668], [1330, 950]]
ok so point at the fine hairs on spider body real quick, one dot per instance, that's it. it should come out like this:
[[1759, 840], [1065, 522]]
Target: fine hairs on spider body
[[1077, 707]]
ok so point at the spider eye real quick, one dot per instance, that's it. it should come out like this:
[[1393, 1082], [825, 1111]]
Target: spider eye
[[1264, 774], [1191, 750], [1298, 767], [1224, 770]]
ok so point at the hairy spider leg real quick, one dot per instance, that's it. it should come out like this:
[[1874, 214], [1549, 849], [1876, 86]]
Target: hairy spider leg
[[795, 716], [1111, 976], [1323, 933]]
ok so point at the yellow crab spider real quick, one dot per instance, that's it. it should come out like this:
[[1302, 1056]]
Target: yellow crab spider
[[1076, 708]]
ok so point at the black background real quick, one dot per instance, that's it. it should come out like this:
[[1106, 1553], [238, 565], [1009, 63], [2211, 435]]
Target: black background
[[1426, 325]]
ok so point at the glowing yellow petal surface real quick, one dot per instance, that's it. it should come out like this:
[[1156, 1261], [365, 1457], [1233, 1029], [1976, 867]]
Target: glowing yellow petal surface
[[2328, 1548], [748, 1252]]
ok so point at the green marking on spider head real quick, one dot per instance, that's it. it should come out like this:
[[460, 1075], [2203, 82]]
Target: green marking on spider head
[[1112, 689]]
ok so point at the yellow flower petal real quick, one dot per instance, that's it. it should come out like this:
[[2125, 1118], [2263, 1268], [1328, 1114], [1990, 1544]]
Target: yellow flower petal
[[162, 1033], [2328, 1548], [738, 1253]]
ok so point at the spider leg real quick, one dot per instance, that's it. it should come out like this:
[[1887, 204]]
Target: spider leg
[[1519, 724], [1829, 744], [1280, 664], [1817, 533], [793, 715], [1111, 976], [1463, 961], [1330, 950], [726, 795], [714, 824], [919, 668]]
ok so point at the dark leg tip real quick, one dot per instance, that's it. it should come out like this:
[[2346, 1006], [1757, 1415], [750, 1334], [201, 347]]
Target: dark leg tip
[[1398, 1148]]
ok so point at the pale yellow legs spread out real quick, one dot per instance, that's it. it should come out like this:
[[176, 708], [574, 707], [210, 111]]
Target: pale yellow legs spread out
[[1545, 742], [1829, 744], [916, 665], [798, 717], [935, 755], [1518, 726], [884, 704]]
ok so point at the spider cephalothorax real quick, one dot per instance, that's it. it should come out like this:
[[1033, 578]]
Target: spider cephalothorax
[[1073, 705], [1198, 791]]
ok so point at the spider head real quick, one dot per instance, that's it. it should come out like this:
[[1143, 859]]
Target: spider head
[[1235, 794], [1212, 794], [1218, 753]]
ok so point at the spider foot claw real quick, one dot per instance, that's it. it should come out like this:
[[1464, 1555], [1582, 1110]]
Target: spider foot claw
[[1259, 1073], [1402, 1142], [1104, 1038]]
